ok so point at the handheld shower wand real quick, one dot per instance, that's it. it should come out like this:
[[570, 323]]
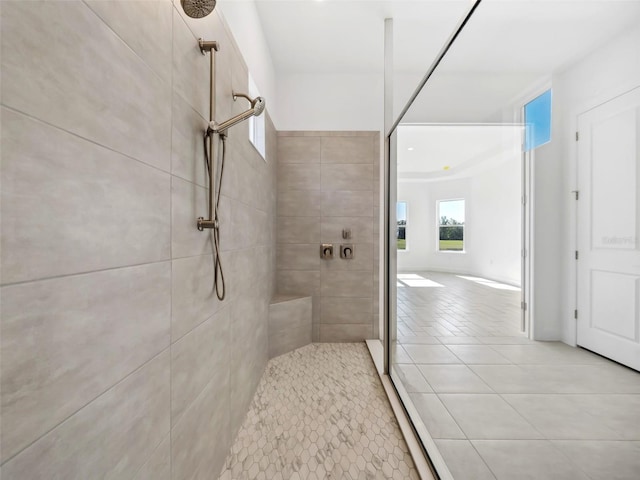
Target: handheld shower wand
[[257, 107]]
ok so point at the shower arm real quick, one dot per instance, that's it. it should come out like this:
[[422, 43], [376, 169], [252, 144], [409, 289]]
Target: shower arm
[[211, 47], [226, 125]]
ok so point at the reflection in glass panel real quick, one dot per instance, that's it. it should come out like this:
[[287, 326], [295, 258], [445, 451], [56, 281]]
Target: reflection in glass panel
[[465, 166], [451, 225], [401, 230]]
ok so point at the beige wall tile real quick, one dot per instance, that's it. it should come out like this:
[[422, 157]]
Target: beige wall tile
[[347, 149], [345, 333], [346, 284], [347, 204], [299, 282], [204, 425], [110, 327], [144, 26], [298, 257], [347, 177], [199, 357], [112, 437], [188, 202], [298, 176], [191, 69], [299, 203], [70, 206], [193, 297], [346, 310], [187, 146], [298, 230], [289, 325], [158, 467], [361, 229], [63, 80], [298, 150]]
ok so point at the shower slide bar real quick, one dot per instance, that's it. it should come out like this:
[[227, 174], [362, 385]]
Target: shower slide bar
[[211, 47]]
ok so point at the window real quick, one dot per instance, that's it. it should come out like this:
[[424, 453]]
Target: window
[[401, 230], [256, 124], [537, 117], [451, 225]]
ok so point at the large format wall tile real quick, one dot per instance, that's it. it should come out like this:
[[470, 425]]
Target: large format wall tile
[[346, 284], [299, 203], [347, 204], [315, 209], [298, 176], [200, 439], [158, 467], [345, 333], [144, 26], [188, 202], [298, 230], [197, 358], [191, 69], [79, 334], [112, 437], [187, 145], [193, 296], [70, 206], [348, 149], [298, 150], [347, 177], [56, 56], [346, 310]]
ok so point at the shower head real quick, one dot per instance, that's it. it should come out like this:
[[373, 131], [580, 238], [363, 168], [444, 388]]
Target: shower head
[[257, 107], [198, 8]]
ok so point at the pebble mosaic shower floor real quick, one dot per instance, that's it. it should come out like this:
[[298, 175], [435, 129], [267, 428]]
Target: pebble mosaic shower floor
[[320, 412]]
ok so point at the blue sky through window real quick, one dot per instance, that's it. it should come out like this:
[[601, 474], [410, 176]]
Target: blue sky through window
[[452, 209], [401, 211], [537, 116]]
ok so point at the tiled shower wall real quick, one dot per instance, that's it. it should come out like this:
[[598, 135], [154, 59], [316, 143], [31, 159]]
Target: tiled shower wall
[[117, 359], [329, 181]]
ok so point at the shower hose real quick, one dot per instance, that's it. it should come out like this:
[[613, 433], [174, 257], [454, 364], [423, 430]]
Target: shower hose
[[218, 275]]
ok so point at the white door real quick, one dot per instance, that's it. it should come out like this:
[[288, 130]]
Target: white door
[[608, 223]]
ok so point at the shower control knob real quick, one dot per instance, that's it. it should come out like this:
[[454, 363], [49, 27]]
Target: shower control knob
[[326, 251], [346, 251]]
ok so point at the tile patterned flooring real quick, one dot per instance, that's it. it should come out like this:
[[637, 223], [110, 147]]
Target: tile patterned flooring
[[320, 412], [500, 406]]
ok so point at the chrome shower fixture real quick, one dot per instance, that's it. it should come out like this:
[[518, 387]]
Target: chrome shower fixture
[[198, 8], [257, 107]]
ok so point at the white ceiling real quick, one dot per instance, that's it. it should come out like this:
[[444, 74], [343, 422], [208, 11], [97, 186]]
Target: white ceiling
[[440, 152], [346, 36]]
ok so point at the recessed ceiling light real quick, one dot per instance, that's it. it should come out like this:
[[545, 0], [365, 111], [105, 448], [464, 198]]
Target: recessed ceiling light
[[410, 149], [446, 167]]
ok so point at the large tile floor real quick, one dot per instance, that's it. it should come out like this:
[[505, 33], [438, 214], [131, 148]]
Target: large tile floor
[[500, 406], [320, 412]]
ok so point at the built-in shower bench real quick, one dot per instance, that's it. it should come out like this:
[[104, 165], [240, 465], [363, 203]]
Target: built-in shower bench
[[289, 323]]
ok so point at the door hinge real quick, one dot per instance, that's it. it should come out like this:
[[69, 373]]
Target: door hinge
[[524, 199], [576, 254], [523, 306], [575, 314], [577, 136], [576, 193], [524, 253]]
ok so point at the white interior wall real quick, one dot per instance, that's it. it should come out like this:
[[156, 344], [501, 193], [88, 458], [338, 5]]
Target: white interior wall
[[324, 102], [608, 72], [243, 20], [492, 224]]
